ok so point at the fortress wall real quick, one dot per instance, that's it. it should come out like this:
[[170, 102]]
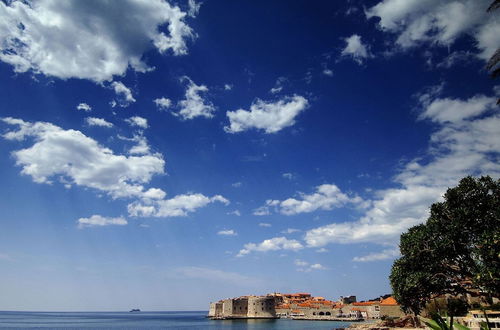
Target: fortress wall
[[240, 307], [261, 307], [227, 307]]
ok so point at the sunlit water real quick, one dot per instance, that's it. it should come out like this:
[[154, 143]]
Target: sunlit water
[[147, 320]]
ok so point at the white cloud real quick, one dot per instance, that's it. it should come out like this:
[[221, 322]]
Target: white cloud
[[326, 197], [301, 263], [71, 156], [305, 266], [84, 107], [178, 206], [228, 87], [93, 121], [236, 184], [100, 221], [454, 110], [464, 144], [141, 146], [261, 211], [322, 250], [288, 176], [376, 256], [268, 116], [273, 244], [137, 121], [79, 39], [194, 8], [328, 72], [235, 212], [163, 103], [228, 232], [439, 22], [356, 49], [194, 105], [264, 224], [75, 159], [123, 93], [290, 231]]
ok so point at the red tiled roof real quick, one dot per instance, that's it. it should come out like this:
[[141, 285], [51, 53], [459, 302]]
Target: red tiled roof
[[389, 302]]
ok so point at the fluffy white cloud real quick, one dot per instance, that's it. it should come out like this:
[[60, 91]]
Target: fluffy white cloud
[[93, 121], [229, 232], [273, 244], [356, 49], [194, 105], [163, 103], [288, 176], [84, 107], [137, 121], [439, 22], [268, 116], [141, 146], [73, 158], [454, 110], [85, 39], [376, 256], [100, 221], [123, 93], [178, 206], [80, 160], [464, 144], [326, 197]]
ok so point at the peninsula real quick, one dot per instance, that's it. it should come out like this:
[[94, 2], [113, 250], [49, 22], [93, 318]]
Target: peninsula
[[303, 306]]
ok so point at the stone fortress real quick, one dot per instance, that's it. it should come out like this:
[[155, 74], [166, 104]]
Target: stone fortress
[[244, 307], [303, 306]]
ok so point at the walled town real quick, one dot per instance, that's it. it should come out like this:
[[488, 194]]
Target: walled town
[[303, 306]]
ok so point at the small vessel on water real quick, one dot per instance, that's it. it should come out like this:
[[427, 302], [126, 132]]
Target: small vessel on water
[[134, 310]]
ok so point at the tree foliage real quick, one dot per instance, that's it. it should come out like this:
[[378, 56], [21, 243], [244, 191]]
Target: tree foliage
[[456, 251]]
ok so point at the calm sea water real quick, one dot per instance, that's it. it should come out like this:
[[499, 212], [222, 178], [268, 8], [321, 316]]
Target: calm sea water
[[147, 320]]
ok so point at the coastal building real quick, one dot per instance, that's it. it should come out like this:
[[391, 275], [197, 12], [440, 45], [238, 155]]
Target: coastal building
[[244, 307], [304, 306]]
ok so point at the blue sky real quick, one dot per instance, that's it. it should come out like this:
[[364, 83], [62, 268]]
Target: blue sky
[[164, 155]]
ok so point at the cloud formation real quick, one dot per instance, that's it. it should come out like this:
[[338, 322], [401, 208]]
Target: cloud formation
[[93, 121], [194, 105], [72, 158], [356, 49], [467, 142], [228, 232], [416, 22], [100, 221], [273, 244], [377, 256], [137, 122], [123, 94], [326, 197], [270, 117], [85, 39], [84, 107]]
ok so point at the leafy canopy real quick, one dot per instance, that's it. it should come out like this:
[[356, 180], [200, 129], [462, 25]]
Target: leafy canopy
[[456, 251]]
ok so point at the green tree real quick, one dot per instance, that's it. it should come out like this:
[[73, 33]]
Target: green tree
[[456, 251]]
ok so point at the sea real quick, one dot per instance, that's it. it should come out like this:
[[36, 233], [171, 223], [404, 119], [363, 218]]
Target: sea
[[148, 320]]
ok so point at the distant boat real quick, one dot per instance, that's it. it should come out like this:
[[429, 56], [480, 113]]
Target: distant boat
[[133, 310]]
